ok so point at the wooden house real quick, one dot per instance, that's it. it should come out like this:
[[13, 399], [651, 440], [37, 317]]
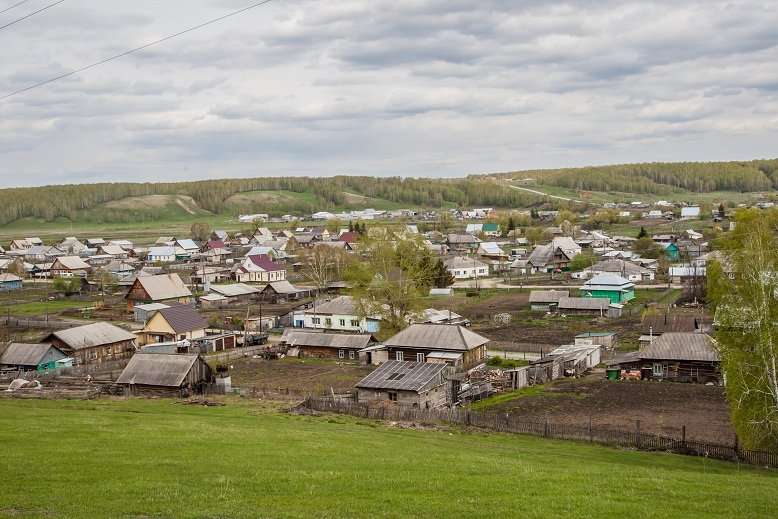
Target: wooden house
[[69, 266], [236, 293], [412, 384], [31, 357], [343, 346], [593, 306], [94, 343], [417, 341], [677, 357], [163, 288], [546, 300], [165, 374], [174, 323], [10, 282], [609, 286], [282, 291]]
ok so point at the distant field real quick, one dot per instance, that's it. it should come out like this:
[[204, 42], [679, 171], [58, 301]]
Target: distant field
[[151, 458]]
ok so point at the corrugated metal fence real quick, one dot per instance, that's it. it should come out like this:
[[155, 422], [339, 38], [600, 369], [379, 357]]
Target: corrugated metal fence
[[518, 425]]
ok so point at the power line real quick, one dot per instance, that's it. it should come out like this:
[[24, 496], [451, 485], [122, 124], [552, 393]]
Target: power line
[[117, 56], [31, 14], [15, 5]]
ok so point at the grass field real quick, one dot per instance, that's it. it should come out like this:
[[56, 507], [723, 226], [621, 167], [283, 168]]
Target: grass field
[[42, 307], [154, 459]]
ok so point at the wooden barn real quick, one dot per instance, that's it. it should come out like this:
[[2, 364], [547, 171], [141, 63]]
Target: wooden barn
[[31, 357], [677, 357], [94, 343], [412, 384], [546, 300], [165, 374], [418, 341]]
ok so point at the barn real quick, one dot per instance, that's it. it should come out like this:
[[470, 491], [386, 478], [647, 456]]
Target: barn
[[413, 384], [165, 374]]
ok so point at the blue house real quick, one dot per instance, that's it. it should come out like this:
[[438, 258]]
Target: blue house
[[672, 251], [10, 282]]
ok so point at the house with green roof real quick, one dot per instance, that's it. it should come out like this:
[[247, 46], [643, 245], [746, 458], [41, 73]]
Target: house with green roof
[[610, 286]]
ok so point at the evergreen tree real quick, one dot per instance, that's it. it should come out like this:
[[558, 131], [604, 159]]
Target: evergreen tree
[[642, 233]]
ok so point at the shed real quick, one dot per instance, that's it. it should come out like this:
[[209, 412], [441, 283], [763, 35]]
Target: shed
[[31, 357], [143, 312], [165, 374], [546, 300], [94, 343], [413, 384]]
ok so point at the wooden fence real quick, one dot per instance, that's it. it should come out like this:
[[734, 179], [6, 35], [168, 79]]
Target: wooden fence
[[508, 423]]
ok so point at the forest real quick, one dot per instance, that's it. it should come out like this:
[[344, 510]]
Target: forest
[[82, 201]]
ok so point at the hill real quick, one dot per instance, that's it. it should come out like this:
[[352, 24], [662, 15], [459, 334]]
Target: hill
[[151, 458]]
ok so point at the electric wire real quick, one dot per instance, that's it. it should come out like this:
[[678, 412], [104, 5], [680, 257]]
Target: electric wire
[[136, 49], [31, 14], [15, 5]]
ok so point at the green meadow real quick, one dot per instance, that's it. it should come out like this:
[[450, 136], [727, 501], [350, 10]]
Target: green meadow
[[154, 459]]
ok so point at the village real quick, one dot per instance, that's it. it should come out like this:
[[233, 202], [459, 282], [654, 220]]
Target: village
[[182, 316]]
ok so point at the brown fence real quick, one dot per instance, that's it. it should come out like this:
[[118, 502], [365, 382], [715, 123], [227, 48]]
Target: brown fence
[[518, 425]]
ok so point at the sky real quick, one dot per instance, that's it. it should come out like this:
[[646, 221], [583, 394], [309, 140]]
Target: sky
[[432, 88]]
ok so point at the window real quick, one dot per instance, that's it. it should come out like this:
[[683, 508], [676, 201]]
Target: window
[[393, 396], [93, 354], [657, 369], [328, 322], [398, 355], [109, 351], [316, 320], [342, 322], [355, 322], [420, 357], [341, 354], [351, 355]]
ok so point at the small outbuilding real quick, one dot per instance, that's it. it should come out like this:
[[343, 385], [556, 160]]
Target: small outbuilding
[[165, 374], [412, 384], [32, 357]]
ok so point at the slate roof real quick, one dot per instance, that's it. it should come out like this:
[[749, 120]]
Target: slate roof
[[492, 249], [547, 296], [163, 286], [608, 281], [157, 369], [681, 346], [20, 354], [329, 340], [402, 376], [283, 287], [182, 318], [341, 305], [162, 251], [445, 337], [657, 324], [619, 266], [71, 263], [584, 303], [460, 262], [94, 334], [234, 289]]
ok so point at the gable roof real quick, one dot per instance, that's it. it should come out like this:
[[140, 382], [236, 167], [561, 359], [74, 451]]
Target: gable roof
[[402, 376], [181, 318], [21, 354], [608, 281], [584, 303], [460, 262], [94, 334], [234, 289], [681, 346], [329, 340], [70, 263], [341, 305], [437, 337], [157, 369], [262, 262], [547, 296], [283, 287], [163, 286], [656, 324]]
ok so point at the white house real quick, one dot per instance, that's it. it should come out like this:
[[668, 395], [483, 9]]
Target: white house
[[462, 267], [163, 254], [690, 212], [258, 269], [339, 314]]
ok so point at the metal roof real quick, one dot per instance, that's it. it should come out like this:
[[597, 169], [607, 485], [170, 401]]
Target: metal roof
[[608, 282], [329, 340], [681, 346], [71, 263], [657, 324], [547, 296], [402, 376], [444, 337], [182, 318], [235, 289], [164, 286], [341, 305], [283, 287], [157, 369], [461, 262], [21, 354], [94, 334]]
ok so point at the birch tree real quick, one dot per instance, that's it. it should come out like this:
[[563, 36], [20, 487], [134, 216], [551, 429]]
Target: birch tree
[[744, 292]]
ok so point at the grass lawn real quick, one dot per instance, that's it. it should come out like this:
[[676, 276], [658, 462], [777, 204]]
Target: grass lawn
[[41, 307], [151, 458]]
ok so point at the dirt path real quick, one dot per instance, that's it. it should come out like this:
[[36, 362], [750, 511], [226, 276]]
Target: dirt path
[[546, 194]]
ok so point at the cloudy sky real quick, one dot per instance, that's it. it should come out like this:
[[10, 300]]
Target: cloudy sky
[[403, 87]]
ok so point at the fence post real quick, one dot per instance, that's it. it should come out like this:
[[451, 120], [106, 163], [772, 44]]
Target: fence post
[[683, 438], [637, 426], [737, 449], [591, 439], [545, 429]]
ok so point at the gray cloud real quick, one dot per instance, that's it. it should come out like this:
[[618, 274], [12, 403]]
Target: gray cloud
[[435, 88]]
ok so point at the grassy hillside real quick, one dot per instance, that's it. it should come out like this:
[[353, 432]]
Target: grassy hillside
[[151, 458]]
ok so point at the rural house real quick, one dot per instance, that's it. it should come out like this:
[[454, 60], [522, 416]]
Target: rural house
[[609, 286], [339, 314], [69, 266], [328, 345], [418, 341], [165, 374], [412, 384], [258, 269], [32, 357], [94, 343], [554, 255], [174, 323], [676, 357], [462, 267], [593, 306], [163, 288], [546, 300], [10, 282], [462, 242]]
